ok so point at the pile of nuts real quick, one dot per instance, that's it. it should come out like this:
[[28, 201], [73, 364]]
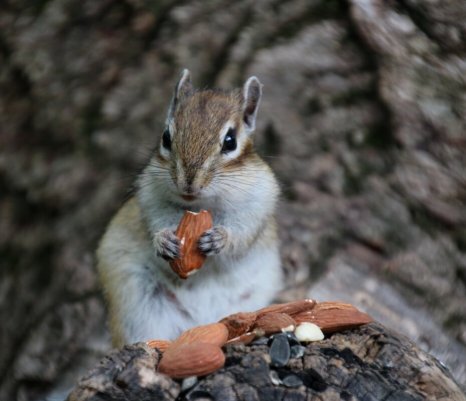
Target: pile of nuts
[[198, 351]]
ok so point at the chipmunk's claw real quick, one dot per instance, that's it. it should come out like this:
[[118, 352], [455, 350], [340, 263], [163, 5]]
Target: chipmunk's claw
[[167, 245], [213, 241]]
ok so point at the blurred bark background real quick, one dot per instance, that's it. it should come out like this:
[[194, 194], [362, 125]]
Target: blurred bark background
[[363, 119]]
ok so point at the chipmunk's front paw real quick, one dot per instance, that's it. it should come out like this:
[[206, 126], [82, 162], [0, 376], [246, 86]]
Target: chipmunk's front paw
[[213, 241], [167, 245]]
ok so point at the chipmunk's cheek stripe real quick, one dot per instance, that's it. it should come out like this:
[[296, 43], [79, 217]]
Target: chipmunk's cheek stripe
[[161, 157], [173, 176], [246, 153]]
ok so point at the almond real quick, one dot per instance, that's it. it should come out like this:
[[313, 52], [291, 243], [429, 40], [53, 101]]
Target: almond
[[334, 316], [244, 338], [239, 323], [334, 305], [290, 308], [274, 322], [161, 345], [215, 333], [190, 228], [193, 359]]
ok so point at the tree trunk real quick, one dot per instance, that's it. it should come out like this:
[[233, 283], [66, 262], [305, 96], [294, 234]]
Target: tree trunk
[[363, 120]]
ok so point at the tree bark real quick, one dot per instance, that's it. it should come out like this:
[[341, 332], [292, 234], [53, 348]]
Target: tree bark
[[363, 120], [368, 363]]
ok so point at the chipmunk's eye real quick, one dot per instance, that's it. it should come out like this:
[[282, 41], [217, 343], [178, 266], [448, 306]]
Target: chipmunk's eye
[[229, 143], [166, 140]]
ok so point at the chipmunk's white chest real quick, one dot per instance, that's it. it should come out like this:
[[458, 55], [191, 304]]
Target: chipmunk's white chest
[[223, 286]]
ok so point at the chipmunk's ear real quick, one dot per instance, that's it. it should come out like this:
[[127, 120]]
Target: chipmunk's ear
[[252, 92], [183, 89]]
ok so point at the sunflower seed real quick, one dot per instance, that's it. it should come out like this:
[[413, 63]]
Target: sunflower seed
[[297, 351], [280, 350], [292, 381]]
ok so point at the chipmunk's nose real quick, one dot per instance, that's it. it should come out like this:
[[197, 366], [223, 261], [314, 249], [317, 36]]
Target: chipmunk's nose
[[189, 192], [189, 188]]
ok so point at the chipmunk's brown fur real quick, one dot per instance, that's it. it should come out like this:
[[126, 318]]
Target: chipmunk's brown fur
[[206, 160]]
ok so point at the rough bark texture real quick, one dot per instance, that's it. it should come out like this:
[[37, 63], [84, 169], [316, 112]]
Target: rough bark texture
[[370, 363], [363, 119]]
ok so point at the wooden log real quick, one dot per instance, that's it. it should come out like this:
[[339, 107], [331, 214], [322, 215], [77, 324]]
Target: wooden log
[[367, 363]]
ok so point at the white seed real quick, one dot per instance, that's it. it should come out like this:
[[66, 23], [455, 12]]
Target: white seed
[[274, 378], [188, 382], [306, 332]]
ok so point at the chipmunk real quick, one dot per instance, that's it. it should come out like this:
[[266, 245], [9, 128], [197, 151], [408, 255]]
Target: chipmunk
[[205, 160]]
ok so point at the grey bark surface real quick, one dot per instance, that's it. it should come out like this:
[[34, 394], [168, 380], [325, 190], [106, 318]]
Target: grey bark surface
[[363, 120], [369, 363]]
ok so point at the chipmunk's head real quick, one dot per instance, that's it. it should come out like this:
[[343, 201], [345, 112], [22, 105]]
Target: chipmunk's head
[[207, 136]]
